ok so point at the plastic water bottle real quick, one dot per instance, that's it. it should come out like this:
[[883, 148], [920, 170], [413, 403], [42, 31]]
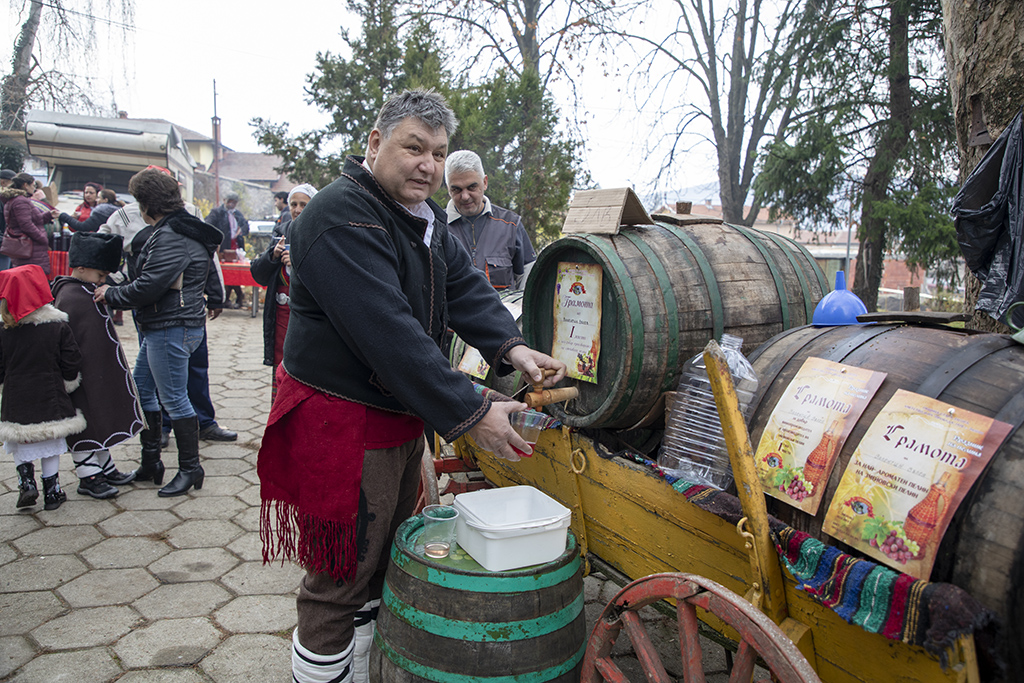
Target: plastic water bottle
[[693, 447]]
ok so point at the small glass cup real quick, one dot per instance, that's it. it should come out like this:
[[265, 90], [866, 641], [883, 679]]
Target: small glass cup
[[527, 424], [438, 535]]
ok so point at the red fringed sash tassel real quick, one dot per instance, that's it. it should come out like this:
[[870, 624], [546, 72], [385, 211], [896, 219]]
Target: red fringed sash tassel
[[310, 467]]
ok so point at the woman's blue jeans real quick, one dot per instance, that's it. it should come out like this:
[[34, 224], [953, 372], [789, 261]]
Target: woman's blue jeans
[[161, 369]]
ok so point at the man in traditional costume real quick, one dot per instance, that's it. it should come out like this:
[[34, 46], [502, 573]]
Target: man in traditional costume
[[377, 279]]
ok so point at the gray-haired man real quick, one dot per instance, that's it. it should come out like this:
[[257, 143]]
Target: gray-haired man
[[376, 281], [495, 237]]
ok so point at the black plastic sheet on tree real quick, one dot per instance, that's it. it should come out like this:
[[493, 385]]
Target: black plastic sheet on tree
[[988, 213]]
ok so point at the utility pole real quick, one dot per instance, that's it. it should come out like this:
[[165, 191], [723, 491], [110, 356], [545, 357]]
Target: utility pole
[[216, 148]]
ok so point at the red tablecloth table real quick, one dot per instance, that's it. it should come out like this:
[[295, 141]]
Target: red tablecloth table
[[237, 274]]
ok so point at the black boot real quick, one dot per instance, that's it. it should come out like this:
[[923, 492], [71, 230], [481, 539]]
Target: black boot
[[190, 472], [152, 469], [52, 493], [27, 485], [97, 487]]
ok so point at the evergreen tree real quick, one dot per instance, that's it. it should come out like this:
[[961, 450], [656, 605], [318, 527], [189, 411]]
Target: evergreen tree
[[531, 169], [352, 91], [876, 118]]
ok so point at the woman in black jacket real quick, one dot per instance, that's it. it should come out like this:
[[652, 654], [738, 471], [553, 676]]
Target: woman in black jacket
[[271, 269], [175, 273]]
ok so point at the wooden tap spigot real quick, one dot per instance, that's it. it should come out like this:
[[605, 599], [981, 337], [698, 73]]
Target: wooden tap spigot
[[542, 397]]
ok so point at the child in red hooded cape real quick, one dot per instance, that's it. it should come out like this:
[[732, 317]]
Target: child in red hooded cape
[[39, 368]]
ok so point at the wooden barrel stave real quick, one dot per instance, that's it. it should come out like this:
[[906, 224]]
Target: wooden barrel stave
[[668, 289], [983, 548]]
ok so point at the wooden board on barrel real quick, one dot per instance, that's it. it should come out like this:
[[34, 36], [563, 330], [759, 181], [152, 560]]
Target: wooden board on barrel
[[506, 384], [451, 621], [983, 548], [667, 289]]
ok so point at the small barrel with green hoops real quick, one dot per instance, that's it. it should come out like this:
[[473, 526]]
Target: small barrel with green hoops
[[452, 621]]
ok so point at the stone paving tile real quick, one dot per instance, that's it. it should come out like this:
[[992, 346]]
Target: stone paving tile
[[246, 658], [143, 497], [61, 539], [24, 611], [152, 523], [14, 651], [221, 486], [258, 614], [250, 496], [95, 665], [75, 512], [122, 552], [87, 628], [203, 564], [248, 519], [165, 676], [203, 533], [255, 578], [108, 587], [16, 526], [7, 554], [172, 642], [210, 507], [222, 467], [248, 547], [178, 600], [40, 573]]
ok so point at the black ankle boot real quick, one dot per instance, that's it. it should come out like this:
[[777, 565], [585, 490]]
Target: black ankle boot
[[190, 472], [27, 485], [52, 493], [152, 469]]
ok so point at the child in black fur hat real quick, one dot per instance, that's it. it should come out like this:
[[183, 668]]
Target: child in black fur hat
[[107, 396]]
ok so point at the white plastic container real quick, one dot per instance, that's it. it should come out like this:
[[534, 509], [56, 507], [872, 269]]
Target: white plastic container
[[512, 527]]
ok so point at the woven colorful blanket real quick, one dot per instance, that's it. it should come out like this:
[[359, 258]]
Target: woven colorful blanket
[[872, 596]]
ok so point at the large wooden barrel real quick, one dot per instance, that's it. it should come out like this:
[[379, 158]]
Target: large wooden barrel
[[667, 289], [983, 549], [451, 621], [507, 384]]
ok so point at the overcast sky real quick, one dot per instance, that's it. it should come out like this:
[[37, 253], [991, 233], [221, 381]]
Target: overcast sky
[[260, 55]]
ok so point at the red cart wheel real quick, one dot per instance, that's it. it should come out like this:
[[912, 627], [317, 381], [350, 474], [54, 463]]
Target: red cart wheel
[[759, 635]]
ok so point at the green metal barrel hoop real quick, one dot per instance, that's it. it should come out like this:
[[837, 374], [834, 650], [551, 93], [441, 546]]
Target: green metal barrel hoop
[[805, 287], [633, 312], [772, 268], [817, 271]]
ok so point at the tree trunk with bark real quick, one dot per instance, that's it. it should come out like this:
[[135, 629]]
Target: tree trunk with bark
[[985, 62], [893, 139], [14, 95]]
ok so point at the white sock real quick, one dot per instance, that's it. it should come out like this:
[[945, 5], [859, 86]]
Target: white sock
[[308, 667], [366, 619]]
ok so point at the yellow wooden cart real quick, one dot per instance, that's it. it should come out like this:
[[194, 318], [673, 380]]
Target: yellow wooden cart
[[632, 522]]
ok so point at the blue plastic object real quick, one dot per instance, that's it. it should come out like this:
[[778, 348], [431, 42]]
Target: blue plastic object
[[839, 307]]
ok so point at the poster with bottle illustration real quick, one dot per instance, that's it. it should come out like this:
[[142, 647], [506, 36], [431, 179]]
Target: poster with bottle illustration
[[577, 328], [472, 362], [907, 477], [808, 427]]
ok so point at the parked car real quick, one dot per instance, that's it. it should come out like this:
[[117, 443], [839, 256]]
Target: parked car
[[261, 226]]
